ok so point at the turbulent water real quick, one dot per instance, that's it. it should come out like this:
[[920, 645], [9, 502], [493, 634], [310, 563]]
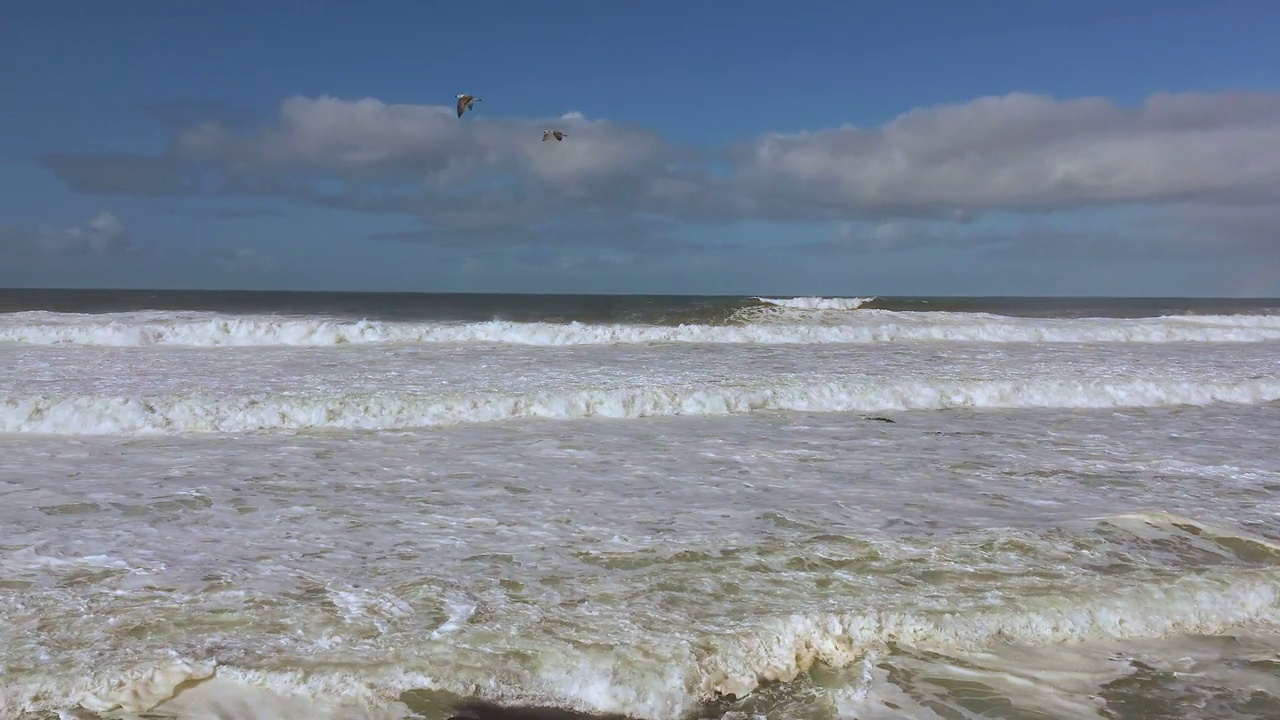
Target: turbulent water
[[250, 506]]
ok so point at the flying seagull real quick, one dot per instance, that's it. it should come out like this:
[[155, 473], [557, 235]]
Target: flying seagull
[[465, 102], [548, 134]]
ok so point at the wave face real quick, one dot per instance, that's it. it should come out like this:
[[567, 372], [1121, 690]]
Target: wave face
[[800, 321], [123, 415], [777, 508]]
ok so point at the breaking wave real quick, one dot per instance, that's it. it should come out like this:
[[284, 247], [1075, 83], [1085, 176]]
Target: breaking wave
[[119, 415], [818, 303], [679, 674], [764, 324]]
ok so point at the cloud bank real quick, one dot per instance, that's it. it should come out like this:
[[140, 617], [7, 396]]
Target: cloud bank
[[1024, 153], [492, 179], [102, 236]]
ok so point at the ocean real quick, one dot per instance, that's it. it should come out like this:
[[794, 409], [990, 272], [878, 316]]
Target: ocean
[[372, 506]]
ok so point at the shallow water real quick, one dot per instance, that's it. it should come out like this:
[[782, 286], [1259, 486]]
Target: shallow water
[[892, 529]]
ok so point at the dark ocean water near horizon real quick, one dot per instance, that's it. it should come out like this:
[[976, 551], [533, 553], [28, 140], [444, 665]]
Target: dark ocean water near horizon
[[552, 307]]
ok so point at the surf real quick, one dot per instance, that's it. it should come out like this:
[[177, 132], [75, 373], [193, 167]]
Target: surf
[[392, 410], [763, 324]]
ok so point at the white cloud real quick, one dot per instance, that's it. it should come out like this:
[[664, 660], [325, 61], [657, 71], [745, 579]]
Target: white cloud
[[1024, 152], [103, 235], [370, 142], [952, 163]]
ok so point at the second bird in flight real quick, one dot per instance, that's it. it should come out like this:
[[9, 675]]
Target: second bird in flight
[[467, 102]]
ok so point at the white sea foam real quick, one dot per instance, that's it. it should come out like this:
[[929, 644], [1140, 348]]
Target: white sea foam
[[818, 303], [116, 415], [152, 564], [780, 650], [781, 327], [669, 684], [545, 565]]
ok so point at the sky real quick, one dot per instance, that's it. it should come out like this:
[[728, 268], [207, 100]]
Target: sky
[[1002, 147]]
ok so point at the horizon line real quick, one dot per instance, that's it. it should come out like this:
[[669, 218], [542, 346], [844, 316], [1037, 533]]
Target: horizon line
[[295, 291]]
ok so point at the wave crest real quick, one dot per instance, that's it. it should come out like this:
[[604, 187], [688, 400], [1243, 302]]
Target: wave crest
[[112, 415], [732, 665], [818, 303], [763, 324]]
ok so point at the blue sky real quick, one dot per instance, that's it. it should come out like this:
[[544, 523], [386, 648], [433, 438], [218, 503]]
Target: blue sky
[[714, 147]]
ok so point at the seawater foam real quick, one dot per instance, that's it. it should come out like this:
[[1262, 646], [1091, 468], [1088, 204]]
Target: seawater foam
[[193, 690], [114, 415], [1210, 604], [736, 663], [781, 325], [817, 303]]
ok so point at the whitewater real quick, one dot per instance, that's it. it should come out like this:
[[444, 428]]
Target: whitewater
[[269, 506]]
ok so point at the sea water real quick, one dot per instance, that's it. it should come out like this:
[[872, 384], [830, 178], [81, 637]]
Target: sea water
[[251, 506]]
